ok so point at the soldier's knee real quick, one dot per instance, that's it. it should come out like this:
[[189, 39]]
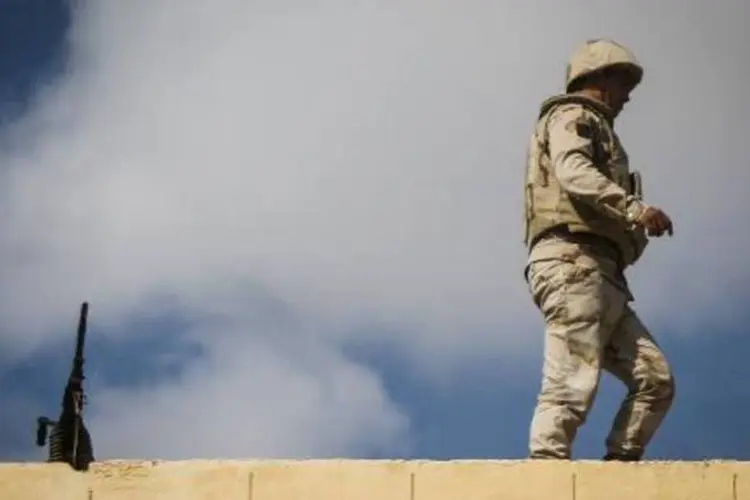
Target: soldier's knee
[[574, 390], [667, 389], [659, 386]]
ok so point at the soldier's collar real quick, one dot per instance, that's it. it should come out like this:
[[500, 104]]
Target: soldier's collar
[[596, 106]]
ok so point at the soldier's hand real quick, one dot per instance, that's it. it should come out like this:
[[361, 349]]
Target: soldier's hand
[[656, 222]]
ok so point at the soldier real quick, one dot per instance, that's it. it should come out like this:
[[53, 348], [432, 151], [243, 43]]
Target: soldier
[[585, 224]]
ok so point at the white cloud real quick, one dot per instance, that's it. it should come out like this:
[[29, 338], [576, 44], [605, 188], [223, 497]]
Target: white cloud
[[253, 397], [360, 162]]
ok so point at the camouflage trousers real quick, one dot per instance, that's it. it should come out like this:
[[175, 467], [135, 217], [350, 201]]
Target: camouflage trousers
[[590, 326]]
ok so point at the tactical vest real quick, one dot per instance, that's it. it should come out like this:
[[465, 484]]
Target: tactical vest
[[548, 206]]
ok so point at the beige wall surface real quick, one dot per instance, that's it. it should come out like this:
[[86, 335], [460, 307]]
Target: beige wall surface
[[378, 480]]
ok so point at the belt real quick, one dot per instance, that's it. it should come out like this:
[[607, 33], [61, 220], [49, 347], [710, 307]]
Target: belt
[[594, 240]]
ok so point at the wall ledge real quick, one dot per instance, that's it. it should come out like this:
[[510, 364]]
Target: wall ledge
[[345, 479]]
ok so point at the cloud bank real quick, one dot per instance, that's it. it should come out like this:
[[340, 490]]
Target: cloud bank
[[292, 179]]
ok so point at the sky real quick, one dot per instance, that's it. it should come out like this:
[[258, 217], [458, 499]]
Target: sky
[[298, 224]]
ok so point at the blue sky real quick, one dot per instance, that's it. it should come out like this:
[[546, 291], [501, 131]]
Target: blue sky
[[447, 369]]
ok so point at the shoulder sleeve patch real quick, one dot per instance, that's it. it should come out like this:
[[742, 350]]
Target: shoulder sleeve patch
[[580, 127]]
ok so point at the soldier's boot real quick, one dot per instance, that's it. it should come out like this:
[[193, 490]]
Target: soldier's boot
[[622, 457]]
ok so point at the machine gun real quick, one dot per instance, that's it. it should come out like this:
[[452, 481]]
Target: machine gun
[[69, 441]]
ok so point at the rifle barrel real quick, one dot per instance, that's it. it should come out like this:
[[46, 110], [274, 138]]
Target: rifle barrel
[[81, 337]]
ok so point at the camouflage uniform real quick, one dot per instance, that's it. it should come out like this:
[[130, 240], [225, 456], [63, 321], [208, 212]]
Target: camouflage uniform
[[580, 210]]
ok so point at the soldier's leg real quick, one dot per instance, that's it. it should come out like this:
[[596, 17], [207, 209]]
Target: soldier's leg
[[580, 308], [634, 357]]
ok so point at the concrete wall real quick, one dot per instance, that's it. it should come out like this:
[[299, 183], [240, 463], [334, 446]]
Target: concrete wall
[[378, 480]]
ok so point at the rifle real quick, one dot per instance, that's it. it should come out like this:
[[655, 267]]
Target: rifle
[[69, 441]]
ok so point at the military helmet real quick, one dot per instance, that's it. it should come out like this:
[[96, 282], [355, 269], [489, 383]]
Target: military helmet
[[598, 55]]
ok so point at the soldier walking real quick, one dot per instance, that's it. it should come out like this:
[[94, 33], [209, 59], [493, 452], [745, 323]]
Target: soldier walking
[[585, 224]]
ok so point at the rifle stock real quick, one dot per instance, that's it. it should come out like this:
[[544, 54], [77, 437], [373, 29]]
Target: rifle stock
[[70, 441]]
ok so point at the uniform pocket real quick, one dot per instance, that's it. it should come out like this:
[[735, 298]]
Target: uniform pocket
[[547, 278], [566, 291]]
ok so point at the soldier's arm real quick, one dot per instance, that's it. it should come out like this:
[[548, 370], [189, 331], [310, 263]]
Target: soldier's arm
[[571, 150]]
